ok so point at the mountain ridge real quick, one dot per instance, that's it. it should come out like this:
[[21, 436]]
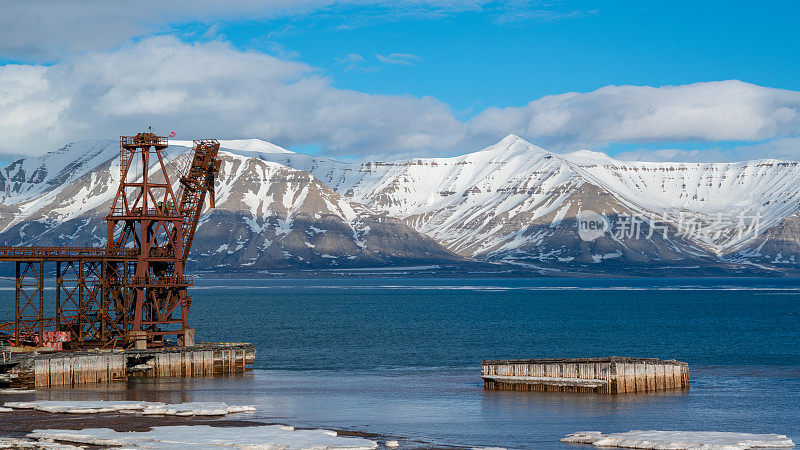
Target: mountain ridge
[[509, 203]]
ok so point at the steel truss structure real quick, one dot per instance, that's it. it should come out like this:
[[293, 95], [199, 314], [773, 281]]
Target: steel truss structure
[[134, 289]]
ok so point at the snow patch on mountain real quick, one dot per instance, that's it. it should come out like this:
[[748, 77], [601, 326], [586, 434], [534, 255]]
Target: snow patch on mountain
[[244, 147]]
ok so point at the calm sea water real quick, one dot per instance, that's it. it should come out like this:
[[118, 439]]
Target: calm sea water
[[402, 356]]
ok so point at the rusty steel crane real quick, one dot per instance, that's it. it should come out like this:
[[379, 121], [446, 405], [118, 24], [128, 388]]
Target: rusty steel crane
[[133, 291]]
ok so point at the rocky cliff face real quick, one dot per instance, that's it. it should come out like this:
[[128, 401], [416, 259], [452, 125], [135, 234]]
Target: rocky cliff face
[[778, 246]]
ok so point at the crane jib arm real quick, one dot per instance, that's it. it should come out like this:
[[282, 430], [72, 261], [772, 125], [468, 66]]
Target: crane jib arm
[[197, 181]]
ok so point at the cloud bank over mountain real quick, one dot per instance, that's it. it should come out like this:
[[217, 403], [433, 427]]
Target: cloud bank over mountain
[[213, 89], [712, 111], [208, 89]]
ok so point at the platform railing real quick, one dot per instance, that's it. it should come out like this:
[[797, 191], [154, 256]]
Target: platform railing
[[162, 281], [143, 140], [169, 211], [21, 253]]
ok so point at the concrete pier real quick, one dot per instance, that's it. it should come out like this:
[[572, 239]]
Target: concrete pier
[[611, 375], [75, 368]]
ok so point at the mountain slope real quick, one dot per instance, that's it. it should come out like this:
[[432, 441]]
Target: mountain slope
[[268, 216], [271, 216], [718, 192], [494, 204]]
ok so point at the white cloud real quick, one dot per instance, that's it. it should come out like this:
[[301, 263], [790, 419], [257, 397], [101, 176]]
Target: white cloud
[[45, 30], [781, 148], [711, 111], [208, 89], [350, 61], [672, 154], [404, 59], [211, 89], [517, 15]]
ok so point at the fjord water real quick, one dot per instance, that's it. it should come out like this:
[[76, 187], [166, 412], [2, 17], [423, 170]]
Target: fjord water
[[402, 356]]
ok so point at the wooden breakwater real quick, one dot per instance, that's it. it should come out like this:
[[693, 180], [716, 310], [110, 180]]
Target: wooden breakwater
[[611, 375], [76, 368]]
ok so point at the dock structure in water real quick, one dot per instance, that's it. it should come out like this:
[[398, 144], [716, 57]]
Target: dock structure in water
[[609, 375], [37, 370]]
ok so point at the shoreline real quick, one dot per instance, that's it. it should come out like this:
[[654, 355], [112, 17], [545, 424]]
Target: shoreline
[[19, 422]]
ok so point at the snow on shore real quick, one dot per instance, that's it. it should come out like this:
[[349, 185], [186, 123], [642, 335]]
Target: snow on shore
[[25, 443], [147, 408], [177, 437], [680, 440], [204, 436]]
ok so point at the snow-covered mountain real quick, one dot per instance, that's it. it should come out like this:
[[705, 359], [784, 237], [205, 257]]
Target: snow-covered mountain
[[511, 203], [516, 202], [267, 216]]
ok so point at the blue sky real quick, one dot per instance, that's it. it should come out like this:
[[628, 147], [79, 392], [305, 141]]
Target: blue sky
[[357, 78], [476, 59]]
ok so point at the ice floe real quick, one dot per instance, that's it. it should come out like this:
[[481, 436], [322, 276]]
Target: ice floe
[[25, 443], [204, 436], [148, 408], [17, 391], [680, 440]]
